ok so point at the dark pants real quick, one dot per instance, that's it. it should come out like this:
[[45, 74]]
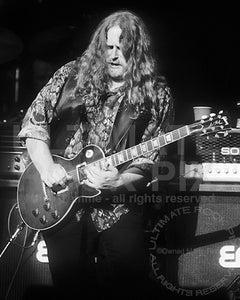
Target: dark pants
[[109, 265]]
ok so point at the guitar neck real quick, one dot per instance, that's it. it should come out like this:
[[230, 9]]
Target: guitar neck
[[146, 147]]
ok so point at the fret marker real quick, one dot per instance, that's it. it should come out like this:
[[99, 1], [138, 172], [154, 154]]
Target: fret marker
[[134, 152], [155, 143], [120, 157], [168, 138], [144, 147]]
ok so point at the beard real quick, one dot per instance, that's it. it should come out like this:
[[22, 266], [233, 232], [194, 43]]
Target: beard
[[116, 73]]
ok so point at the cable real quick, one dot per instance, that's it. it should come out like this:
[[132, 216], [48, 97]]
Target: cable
[[9, 229], [18, 265], [23, 246]]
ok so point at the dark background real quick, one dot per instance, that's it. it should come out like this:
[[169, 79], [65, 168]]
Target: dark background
[[197, 48]]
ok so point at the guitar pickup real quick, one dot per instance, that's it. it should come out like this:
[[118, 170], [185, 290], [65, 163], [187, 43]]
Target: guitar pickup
[[63, 190], [58, 189]]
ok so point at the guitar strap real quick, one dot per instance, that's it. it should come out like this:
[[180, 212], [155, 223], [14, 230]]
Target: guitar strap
[[67, 115], [123, 122]]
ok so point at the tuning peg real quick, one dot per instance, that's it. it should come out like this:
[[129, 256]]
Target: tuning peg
[[220, 116], [225, 133], [225, 119], [204, 117]]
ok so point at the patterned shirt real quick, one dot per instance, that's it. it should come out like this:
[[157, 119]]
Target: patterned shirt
[[100, 125]]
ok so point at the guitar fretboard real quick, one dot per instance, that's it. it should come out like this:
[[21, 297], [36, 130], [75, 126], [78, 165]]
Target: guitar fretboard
[[145, 147]]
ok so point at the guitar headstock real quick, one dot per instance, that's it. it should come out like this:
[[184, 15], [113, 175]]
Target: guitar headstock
[[214, 124]]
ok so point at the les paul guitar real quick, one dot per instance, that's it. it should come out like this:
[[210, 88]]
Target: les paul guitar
[[41, 207]]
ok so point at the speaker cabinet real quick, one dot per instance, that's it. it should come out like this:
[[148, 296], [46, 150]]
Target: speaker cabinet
[[195, 244], [212, 258], [24, 272]]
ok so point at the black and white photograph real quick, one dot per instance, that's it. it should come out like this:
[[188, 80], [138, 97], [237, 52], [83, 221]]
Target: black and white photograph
[[119, 150]]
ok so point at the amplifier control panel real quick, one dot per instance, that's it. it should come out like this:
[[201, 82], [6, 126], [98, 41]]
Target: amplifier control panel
[[223, 172]]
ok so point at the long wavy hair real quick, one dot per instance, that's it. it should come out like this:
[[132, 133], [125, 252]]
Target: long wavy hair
[[91, 67]]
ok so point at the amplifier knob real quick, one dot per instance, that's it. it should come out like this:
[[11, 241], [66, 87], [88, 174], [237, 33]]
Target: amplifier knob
[[17, 158], [209, 170], [218, 171], [226, 171], [234, 171]]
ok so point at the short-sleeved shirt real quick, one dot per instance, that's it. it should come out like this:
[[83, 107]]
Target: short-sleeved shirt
[[100, 123]]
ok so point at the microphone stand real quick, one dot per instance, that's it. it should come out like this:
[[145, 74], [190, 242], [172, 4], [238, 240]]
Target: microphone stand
[[16, 96], [20, 227]]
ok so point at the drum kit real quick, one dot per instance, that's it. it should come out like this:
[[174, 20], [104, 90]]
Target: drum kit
[[13, 55], [53, 45], [10, 45], [45, 42]]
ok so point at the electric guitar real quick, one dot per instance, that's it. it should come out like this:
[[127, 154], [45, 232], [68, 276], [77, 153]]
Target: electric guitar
[[42, 207]]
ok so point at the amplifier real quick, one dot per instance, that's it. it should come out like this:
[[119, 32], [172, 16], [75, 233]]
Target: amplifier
[[11, 163], [222, 149], [218, 158], [12, 166], [13, 156]]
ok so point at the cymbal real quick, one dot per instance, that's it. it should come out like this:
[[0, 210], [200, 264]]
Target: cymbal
[[10, 45], [53, 40]]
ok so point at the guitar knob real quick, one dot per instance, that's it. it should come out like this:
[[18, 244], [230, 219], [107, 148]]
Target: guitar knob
[[55, 215], [47, 205], [43, 220], [35, 212]]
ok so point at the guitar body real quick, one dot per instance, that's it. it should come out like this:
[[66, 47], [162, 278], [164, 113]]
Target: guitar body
[[41, 207]]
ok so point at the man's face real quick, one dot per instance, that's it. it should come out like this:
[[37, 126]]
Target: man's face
[[117, 64]]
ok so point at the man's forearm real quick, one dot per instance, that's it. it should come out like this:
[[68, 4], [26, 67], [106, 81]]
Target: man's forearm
[[131, 181], [39, 153]]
